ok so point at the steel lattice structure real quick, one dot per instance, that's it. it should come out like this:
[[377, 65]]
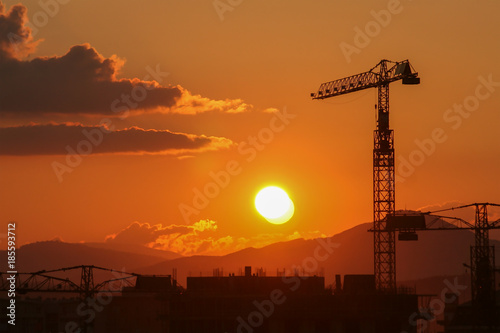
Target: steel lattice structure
[[482, 255], [43, 281], [482, 260], [379, 76]]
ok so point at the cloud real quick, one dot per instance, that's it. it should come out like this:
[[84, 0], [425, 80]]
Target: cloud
[[197, 239], [193, 104], [201, 239], [60, 139], [183, 239], [82, 81], [144, 233], [271, 110], [440, 206], [16, 40], [467, 214]]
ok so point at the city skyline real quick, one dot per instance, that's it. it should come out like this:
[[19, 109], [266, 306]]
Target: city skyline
[[208, 102]]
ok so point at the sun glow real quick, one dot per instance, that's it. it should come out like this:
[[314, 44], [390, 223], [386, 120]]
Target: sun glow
[[274, 205]]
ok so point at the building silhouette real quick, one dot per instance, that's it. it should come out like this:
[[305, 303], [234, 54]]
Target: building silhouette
[[247, 303]]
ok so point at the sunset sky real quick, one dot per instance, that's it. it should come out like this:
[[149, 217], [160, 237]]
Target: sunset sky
[[168, 95]]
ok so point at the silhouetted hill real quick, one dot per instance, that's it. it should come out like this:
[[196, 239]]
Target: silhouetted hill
[[55, 254], [136, 249], [437, 253]]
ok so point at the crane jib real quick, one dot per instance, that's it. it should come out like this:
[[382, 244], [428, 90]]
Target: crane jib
[[377, 76]]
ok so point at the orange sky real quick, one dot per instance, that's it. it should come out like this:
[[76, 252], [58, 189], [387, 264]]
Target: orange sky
[[227, 81]]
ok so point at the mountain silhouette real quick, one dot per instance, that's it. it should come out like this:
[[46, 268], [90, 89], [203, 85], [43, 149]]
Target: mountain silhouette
[[50, 255], [436, 253]]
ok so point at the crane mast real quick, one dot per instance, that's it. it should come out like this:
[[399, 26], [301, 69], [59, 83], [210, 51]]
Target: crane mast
[[379, 76], [482, 256]]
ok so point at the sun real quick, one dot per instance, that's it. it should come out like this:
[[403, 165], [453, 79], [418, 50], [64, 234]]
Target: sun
[[274, 205]]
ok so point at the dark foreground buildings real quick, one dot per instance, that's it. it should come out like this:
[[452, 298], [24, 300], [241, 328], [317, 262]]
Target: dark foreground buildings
[[472, 317], [234, 304]]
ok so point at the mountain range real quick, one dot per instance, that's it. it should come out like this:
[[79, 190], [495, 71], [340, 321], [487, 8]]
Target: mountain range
[[435, 254]]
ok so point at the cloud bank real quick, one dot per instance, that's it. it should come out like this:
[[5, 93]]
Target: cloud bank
[[54, 139], [201, 238], [83, 81], [183, 239]]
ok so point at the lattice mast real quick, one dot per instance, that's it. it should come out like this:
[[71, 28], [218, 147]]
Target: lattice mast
[[482, 260]]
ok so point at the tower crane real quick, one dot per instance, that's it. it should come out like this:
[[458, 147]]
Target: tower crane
[[482, 254], [379, 77]]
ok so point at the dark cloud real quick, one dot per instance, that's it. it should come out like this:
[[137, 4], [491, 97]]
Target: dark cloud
[[16, 40], [54, 139], [82, 81]]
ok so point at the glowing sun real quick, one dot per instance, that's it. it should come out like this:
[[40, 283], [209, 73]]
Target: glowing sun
[[274, 205]]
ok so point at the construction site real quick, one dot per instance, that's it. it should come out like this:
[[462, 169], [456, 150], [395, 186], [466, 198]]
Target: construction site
[[254, 302]]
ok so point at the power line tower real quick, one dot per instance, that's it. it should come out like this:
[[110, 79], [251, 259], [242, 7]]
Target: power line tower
[[87, 282], [379, 76]]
